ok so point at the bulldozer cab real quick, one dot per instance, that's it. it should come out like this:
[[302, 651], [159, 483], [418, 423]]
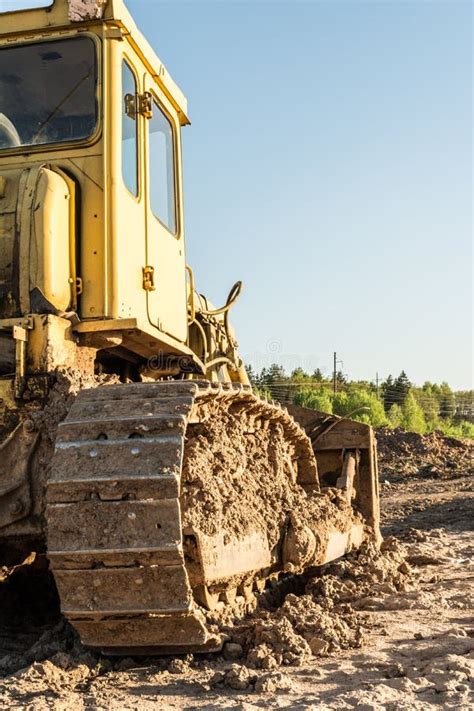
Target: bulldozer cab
[[91, 212]]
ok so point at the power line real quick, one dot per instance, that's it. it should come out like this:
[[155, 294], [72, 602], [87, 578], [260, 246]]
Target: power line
[[287, 390]]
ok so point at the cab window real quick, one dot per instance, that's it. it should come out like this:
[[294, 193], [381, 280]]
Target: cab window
[[129, 130], [162, 168], [48, 92]]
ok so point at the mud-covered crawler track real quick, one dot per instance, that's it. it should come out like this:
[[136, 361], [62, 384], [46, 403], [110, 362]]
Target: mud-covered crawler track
[[147, 526]]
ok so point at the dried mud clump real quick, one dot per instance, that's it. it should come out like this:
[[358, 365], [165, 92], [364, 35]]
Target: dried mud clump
[[432, 455], [46, 415], [81, 10], [326, 617], [240, 678], [367, 572], [301, 628], [67, 384], [46, 418]]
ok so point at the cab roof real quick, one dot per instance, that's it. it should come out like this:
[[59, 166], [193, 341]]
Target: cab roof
[[63, 14]]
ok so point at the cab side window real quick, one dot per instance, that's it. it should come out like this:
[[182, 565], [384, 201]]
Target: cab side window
[[129, 130], [162, 169]]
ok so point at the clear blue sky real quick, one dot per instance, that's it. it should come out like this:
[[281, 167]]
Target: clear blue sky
[[329, 166]]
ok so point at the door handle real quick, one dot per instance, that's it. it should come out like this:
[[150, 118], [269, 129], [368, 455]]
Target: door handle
[[149, 278]]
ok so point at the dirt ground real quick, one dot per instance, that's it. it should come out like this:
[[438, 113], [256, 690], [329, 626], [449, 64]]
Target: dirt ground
[[384, 630]]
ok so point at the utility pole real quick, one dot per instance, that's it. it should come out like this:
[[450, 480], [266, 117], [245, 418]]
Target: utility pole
[[377, 382], [334, 379]]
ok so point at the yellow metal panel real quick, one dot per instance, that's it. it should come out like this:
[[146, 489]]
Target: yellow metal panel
[[111, 324], [25, 214], [126, 212], [88, 170], [51, 344], [167, 305], [50, 245], [73, 281]]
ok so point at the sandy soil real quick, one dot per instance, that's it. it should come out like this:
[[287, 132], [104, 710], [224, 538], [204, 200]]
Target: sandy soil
[[402, 635]]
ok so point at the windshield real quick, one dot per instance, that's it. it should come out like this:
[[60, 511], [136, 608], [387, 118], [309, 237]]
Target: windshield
[[47, 92]]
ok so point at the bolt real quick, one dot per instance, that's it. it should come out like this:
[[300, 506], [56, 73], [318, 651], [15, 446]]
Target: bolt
[[29, 426], [17, 507]]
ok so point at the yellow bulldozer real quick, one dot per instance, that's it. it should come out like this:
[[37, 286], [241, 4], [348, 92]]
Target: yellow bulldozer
[[133, 452]]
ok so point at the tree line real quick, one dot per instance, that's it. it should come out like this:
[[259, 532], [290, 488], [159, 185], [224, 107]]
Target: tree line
[[396, 402]]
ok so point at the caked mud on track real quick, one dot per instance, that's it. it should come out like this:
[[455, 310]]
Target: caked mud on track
[[166, 500]]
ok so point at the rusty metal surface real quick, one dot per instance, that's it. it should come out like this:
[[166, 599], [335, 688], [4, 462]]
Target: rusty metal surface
[[332, 437]]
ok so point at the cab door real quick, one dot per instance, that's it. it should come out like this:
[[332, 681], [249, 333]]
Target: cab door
[[165, 273]]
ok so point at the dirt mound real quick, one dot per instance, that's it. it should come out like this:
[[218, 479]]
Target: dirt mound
[[324, 618], [433, 455]]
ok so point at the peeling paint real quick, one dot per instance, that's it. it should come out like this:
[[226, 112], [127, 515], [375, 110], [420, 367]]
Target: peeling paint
[[81, 10]]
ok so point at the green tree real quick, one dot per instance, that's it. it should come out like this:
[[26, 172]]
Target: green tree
[[412, 415], [401, 387], [447, 402], [395, 416], [360, 404], [261, 378], [465, 404], [395, 391], [275, 373], [299, 375], [428, 399], [252, 375], [275, 381], [316, 399], [400, 404], [387, 393], [263, 393]]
